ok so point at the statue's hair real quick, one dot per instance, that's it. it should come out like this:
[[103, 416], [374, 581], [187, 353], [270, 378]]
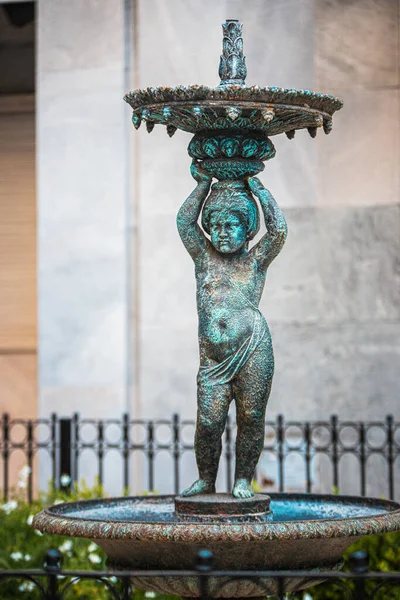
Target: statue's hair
[[236, 197]]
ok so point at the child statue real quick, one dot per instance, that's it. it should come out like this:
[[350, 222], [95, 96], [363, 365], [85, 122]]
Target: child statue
[[236, 356]]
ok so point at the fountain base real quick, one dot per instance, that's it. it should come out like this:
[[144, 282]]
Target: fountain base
[[223, 508]]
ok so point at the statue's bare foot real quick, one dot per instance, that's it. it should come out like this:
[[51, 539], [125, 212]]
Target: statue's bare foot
[[242, 489], [201, 486]]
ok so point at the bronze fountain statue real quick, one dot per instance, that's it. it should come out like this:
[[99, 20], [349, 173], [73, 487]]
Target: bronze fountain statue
[[231, 143], [236, 356], [232, 125]]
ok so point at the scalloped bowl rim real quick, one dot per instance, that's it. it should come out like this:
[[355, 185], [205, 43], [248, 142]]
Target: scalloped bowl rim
[[52, 520]]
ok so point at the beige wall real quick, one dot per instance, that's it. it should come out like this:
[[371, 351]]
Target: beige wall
[[18, 346]]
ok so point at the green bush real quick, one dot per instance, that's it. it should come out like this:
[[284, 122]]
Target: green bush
[[384, 556], [24, 548]]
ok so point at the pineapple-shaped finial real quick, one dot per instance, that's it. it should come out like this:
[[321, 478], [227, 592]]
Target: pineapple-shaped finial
[[232, 66]]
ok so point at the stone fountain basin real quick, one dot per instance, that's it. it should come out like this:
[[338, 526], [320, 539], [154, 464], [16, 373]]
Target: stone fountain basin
[[306, 532]]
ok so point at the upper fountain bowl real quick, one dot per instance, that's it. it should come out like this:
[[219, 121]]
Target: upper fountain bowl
[[266, 110]]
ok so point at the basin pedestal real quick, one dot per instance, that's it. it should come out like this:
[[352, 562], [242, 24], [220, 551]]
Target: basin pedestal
[[223, 508]]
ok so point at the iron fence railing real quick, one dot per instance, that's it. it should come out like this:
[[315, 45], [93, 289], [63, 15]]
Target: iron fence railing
[[53, 583], [57, 446]]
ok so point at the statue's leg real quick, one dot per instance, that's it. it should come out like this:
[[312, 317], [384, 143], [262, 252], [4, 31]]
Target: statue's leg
[[212, 409], [251, 390]]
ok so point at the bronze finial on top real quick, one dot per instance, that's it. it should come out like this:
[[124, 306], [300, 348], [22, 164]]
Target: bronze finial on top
[[232, 66]]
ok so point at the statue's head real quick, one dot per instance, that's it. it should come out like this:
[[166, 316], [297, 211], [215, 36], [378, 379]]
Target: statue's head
[[230, 216]]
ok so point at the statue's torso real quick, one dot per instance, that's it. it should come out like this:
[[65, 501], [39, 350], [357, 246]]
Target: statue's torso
[[228, 293]]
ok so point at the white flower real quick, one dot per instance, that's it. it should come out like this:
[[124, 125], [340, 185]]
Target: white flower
[[16, 555], [26, 586], [66, 546], [24, 472], [29, 520], [113, 579], [23, 477], [150, 595], [58, 501], [9, 506], [307, 597], [27, 557], [38, 532], [95, 559], [65, 480], [92, 547]]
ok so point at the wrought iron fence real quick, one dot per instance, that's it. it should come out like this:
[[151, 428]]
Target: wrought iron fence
[[52, 583], [58, 445]]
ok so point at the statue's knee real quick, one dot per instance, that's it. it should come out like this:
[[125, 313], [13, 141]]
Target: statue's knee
[[210, 425]]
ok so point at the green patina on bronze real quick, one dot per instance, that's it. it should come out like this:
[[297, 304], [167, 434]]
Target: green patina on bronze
[[236, 356]]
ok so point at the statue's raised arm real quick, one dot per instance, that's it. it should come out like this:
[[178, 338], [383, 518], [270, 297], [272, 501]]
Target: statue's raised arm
[[191, 234], [272, 242]]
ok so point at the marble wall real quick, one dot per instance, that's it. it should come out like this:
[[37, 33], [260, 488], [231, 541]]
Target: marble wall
[[84, 242], [332, 296], [357, 58], [117, 314], [82, 207]]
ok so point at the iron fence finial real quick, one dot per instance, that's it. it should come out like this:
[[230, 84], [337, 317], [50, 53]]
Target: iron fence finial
[[52, 561]]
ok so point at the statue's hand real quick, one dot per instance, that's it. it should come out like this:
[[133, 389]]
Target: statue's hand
[[199, 174], [255, 185]]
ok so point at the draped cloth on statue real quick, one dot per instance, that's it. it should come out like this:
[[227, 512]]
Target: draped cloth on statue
[[226, 371]]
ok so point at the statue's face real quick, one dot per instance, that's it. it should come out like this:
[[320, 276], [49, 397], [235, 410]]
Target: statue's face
[[228, 232]]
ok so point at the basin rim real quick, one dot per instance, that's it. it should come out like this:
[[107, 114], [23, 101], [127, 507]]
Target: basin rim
[[52, 521], [234, 93]]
